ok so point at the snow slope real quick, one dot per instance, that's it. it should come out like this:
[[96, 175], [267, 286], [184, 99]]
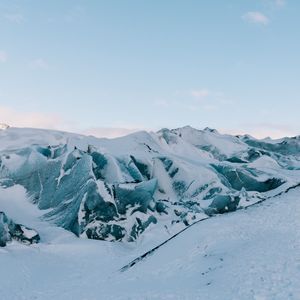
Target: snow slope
[[251, 254]]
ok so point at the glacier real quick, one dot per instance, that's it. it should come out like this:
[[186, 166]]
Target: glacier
[[248, 254], [116, 189], [173, 214]]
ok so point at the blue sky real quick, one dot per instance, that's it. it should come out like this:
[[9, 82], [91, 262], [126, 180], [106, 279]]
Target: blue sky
[[93, 65]]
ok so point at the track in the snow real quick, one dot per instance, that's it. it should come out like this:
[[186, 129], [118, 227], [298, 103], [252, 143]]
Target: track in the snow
[[148, 253]]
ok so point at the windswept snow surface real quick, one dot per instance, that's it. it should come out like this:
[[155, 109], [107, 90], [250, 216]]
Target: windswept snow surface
[[251, 254]]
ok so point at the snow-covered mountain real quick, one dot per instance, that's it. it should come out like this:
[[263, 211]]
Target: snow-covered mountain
[[118, 189], [166, 193]]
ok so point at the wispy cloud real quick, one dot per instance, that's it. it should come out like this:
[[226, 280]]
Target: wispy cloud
[[263, 130], [39, 63], [256, 17], [200, 94], [19, 118], [3, 57], [15, 18], [35, 119]]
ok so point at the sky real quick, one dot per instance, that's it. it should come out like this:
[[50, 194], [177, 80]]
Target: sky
[[112, 67]]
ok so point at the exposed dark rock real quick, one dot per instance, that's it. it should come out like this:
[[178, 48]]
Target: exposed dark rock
[[12, 231]]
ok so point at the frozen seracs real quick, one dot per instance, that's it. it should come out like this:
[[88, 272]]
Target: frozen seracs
[[117, 189]]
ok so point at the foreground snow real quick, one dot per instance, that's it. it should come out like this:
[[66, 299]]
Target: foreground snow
[[248, 254]]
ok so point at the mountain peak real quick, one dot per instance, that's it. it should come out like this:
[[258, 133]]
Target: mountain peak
[[212, 130]]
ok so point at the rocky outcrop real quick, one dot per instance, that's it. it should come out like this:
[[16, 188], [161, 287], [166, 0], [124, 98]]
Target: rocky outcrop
[[12, 231]]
